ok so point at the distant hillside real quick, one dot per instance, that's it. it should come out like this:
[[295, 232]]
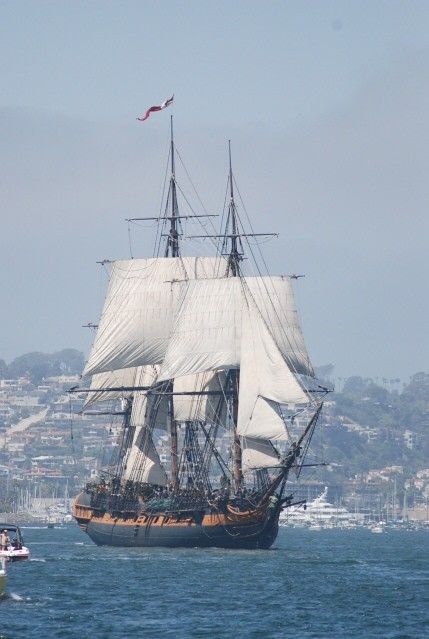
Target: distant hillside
[[386, 416], [41, 365], [366, 425]]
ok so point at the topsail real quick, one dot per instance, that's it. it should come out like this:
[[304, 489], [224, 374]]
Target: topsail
[[206, 333], [139, 309]]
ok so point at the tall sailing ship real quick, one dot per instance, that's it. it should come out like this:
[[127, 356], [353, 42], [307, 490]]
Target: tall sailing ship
[[213, 361]]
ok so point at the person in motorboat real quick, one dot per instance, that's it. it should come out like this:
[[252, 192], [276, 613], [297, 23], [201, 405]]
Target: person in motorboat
[[16, 544], [15, 550], [4, 540]]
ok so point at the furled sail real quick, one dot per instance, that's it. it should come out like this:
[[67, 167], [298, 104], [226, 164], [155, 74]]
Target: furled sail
[[258, 453], [206, 334], [139, 309]]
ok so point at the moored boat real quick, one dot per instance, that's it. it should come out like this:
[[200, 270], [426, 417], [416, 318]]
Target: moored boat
[[320, 513], [377, 528]]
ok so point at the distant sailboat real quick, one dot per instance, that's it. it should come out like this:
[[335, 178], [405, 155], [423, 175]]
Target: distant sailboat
[[213, 361]]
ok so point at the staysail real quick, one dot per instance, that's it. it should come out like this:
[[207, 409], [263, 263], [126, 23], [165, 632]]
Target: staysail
[[258, 453]]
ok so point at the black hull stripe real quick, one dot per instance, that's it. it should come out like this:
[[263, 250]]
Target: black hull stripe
[[194, 535]]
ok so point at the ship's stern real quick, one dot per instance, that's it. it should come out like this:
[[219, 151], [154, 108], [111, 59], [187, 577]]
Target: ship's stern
[[82, 510]]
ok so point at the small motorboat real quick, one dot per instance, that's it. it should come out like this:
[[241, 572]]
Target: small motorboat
[[3, 577], [14, 549], [377, 528]]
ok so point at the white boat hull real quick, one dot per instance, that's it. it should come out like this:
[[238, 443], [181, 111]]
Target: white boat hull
[[15, 554]]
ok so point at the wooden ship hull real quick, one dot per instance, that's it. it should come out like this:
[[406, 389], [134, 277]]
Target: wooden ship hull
[[186, 529]]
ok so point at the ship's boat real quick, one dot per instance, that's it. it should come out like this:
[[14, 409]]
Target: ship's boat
[[219, 400]]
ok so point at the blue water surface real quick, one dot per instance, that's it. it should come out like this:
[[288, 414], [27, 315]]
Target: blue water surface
[[315, 584]]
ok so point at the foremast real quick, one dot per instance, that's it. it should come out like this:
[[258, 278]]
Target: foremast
[[169, 228], [172, 249]]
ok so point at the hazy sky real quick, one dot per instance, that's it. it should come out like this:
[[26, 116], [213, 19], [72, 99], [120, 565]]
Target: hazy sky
[[327, 106]]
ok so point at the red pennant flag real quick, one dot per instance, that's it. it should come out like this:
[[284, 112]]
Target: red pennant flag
[[157, 107]]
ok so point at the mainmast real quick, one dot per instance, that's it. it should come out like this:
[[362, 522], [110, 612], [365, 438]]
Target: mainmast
[[232, 248], [235, 252]]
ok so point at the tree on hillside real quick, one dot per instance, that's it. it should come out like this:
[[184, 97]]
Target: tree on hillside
[[38, 365]]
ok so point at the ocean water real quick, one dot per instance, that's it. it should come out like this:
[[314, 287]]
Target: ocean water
[[315, 584]]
